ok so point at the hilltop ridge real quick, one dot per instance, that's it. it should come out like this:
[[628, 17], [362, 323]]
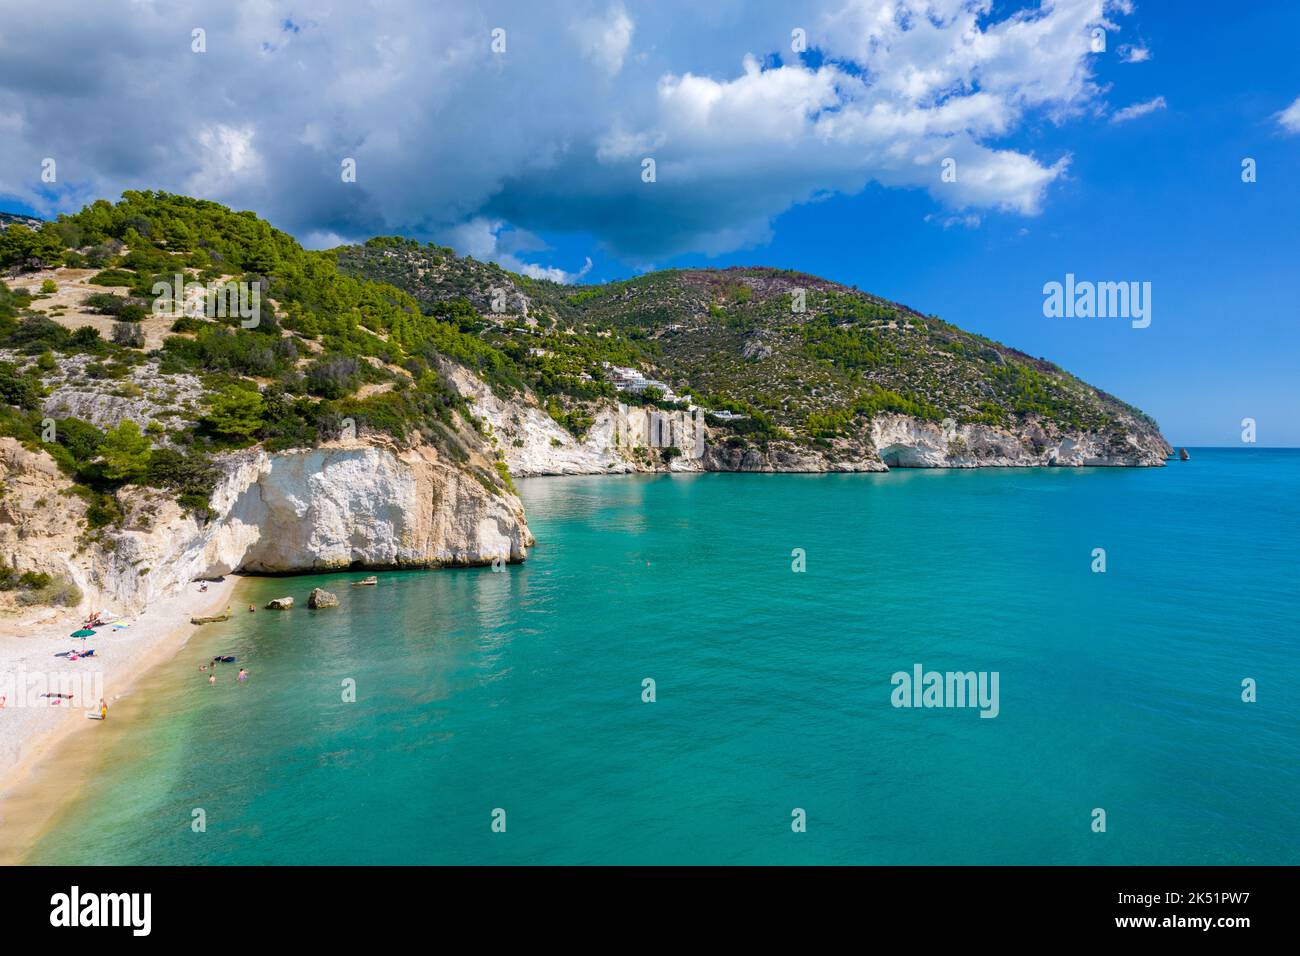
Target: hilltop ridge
[[168, 427], [804, 359]]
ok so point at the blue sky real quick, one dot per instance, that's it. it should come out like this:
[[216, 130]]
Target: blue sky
[[825, 160], [1159, 199]]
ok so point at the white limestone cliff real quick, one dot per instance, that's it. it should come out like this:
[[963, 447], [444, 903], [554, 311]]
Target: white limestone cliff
[[622, 439], [905, 442], [630, 439], [358, 504]]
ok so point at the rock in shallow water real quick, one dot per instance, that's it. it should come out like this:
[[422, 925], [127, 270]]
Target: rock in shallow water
[[322, 598], [279, 604]]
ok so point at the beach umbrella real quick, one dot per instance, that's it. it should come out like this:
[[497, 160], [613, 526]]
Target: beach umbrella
[[84, 633]]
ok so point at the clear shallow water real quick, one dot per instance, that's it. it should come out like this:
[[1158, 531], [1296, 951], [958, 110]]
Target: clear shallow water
[[522, 689]]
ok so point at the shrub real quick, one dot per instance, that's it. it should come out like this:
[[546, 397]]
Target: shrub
[[37, 587], [102, 512], [98, 256], [188, 323], [235, 412], [503, 472], [105, 303], [197, 503], [113, 277], [125, 452], [57, 591], [20, 246], [128, 334], [34, 579], [81, 439], [169, 468], [112, 370], [17, 389], [332, 377], [36, 330], [86, 339], [219, 349]]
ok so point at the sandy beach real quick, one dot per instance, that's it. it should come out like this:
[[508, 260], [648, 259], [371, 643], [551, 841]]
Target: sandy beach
[[33, 726]]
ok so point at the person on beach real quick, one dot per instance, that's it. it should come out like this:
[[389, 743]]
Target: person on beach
[[103, 709], [243, 674]]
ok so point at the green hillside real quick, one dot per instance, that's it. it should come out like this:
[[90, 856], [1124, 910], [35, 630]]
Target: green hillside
[[738, 339], [362, 335]]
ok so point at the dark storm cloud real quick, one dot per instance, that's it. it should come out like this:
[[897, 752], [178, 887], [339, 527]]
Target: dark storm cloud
[[452, 139]]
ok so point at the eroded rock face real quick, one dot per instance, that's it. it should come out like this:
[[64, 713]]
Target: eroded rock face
[[630, 439], [785, 457], [756, 349], [40, 518], [905, 442], [171, 399], [532, 442], [358, 504], [363, 506], [622, 439]]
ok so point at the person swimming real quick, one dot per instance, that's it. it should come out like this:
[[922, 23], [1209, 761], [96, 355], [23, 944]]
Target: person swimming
[[251, 609], [243, 674], [212, 678]]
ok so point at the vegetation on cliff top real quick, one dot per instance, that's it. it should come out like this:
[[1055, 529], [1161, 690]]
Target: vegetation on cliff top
[[805, 358], [329, 353], [356, 338]]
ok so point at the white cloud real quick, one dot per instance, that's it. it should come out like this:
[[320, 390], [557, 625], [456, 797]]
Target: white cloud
[[453, 140], [969, 221], [1128, 53], [605, 39], [1289, 118], [554, 274], [323, 239], [225, 155], [494, 240], [1138, 110]]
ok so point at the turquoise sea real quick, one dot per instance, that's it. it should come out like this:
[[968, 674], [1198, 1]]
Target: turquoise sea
[[522, 690]]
